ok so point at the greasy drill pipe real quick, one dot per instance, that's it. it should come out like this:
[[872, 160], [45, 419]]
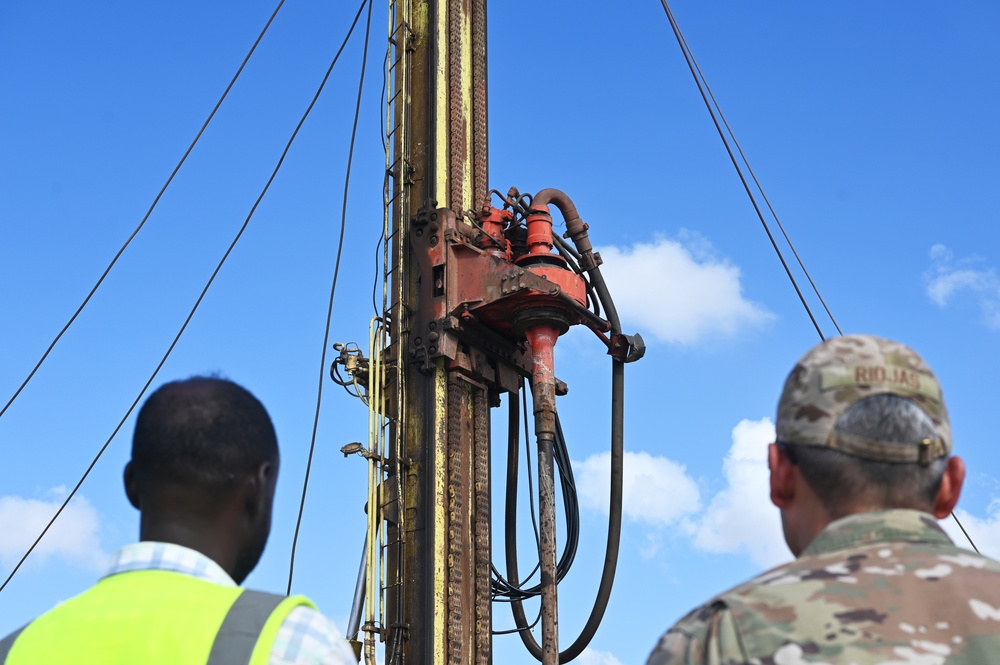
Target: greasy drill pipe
[[542, 339]]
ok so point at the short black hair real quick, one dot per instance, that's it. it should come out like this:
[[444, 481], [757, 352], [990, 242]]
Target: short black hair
[[840, 480], [203, 431]]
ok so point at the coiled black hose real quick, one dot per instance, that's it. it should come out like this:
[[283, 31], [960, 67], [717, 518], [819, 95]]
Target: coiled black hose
[[576, 229], [511, 590]]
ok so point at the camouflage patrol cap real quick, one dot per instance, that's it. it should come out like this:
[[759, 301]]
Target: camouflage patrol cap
[[837, 373]]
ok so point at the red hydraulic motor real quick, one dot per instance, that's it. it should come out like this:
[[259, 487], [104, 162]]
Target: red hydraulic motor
[[495, 298]]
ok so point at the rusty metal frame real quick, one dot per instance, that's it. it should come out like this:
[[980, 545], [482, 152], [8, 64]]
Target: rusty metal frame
[[442, 546]]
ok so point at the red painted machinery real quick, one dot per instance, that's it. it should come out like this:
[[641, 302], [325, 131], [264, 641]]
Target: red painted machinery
[[495, 297]]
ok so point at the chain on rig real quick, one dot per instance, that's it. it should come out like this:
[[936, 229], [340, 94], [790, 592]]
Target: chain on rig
[[496, 289]]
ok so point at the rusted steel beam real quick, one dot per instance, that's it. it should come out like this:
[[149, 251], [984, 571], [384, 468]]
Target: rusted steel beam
[[442, 559]]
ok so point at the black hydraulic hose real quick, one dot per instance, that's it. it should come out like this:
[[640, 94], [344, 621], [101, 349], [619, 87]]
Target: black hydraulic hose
[[571, 502], [614, 532], [577, 230], [617, 473], [614, 513], [510, 541], [572, 256], [510, 505], [602, 292], [571, 507]]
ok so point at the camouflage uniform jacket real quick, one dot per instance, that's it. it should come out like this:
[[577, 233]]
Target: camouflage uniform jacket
[[884, 587]]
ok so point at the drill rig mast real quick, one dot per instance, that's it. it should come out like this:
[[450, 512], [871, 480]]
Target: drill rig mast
[[440, 549], [474, 299]]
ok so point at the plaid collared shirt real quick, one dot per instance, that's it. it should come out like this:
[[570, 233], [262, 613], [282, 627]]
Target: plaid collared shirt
[[305, 637]]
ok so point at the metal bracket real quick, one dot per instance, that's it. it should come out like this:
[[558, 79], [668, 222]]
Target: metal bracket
[[626, 348], [525, 280]]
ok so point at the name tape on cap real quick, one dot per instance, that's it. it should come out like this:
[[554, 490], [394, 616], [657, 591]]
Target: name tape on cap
[[903, 379]]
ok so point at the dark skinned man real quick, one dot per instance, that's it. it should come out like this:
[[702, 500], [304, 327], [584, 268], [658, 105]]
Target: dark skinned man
[[202, 475]]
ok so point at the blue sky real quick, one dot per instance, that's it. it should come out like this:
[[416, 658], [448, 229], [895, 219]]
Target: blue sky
[[871, 125]]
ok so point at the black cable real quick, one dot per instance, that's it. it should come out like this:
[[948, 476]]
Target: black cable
[[346, 384], [613, 546], [336, 269], [382, 98], [93, 462], [689, 57], [518, 630], [572, 257], [502, 591], [965, 532], [190, 315], [527, 463], [385, 182], [146, 216], [739, 171], [378, 263], [471, 217], [502, 588], [499, 585], [756, 182], [563, 248], [183, 327], [521, 198], [693, 66], [510, 507], [570, 497]]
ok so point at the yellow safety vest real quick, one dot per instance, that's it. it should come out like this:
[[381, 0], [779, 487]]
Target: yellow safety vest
[[154, 617]]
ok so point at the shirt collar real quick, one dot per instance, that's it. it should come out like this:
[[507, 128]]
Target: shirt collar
[[913, 526], [150, 555]]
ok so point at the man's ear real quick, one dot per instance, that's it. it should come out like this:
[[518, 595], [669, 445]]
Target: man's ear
[[131, 490], [951, 487], [258, 489], [782, 476]]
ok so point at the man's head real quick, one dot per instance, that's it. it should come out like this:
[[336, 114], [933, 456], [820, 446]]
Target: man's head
[[203, 470], [861, 426]]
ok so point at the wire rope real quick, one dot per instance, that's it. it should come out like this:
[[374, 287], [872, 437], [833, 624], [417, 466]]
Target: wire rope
[[968, 537], [694, 73], [149, 212], [756, 182], [336, 271], [190, 315], [700, 79]]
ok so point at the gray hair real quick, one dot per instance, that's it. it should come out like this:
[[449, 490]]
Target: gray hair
[[844, 483]]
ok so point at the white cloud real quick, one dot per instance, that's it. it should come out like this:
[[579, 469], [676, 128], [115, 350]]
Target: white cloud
[[593, 657], [655, 490], [741, 516], [948, 277], [678, 290], [659, 492], [74, 537], [984, 531]]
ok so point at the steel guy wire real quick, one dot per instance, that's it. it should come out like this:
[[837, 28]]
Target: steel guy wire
[[149, 212], [336, 273], [965, 532], [699, 79], [190, 315], [739, 171], [753, 175]]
